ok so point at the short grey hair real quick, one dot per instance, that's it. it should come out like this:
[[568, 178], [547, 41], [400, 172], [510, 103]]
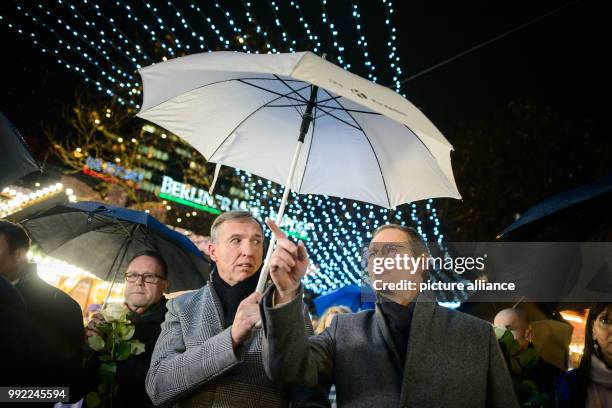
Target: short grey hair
[[414, 238], [236, 215]]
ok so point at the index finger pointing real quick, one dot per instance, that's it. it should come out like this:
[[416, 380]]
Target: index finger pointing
[[275, 229]]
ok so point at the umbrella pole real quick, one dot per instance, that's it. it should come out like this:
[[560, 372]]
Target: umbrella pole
[[306, 120]]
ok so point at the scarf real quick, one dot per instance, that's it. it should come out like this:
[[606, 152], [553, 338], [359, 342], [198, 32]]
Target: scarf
[[231, 296], [599, 388]]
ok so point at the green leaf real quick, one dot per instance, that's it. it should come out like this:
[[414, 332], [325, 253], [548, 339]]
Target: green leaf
[[102, 388], [96, 343], [108, 371], [104, 357], [499, 331], [126, 331], [92, 399], [123, 351], [104, 328], [137, 347]]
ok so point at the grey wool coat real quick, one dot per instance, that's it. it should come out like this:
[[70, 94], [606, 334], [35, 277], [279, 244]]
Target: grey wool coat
[[453, 359], [195, 365]]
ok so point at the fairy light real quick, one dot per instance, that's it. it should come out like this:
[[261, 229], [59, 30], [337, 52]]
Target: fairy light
[[362, 42], [237, 31], [19, 200], [334, 34], [314, 39], [160, 23], [106, 40], [211, 26], [114, 29], [394, 58], [337, 229], [284, 36]]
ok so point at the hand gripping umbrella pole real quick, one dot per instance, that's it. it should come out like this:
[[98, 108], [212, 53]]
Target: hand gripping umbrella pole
[[307, 118]]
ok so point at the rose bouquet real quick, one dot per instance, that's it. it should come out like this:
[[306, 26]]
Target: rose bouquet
[[112, 343]]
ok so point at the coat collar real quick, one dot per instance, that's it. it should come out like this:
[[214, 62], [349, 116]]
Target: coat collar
[[419, 343], [423, 312]]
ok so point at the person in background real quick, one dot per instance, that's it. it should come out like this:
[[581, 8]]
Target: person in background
[[590, 385], [326, 318], [146, 281], [324, 322], [55, 320], [15, 337], [543, 374]]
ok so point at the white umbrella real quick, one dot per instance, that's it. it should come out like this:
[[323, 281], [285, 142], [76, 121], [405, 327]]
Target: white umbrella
[[360, 140]]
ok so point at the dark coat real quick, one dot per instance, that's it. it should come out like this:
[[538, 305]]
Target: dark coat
[[15, 335], [545, 375], [452, 360], [56, 335], [131, 373], [571, 389]]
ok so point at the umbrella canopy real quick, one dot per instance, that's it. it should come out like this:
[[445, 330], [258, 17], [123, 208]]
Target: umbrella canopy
[[15, 158], [357, 139], [102, 239], [580, 214], [366, 142], [353, 296]]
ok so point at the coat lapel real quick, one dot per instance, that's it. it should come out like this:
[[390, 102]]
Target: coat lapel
[[418, 344]]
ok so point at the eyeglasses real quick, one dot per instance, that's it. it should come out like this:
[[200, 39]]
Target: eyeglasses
[[146, 277], [384, 251]]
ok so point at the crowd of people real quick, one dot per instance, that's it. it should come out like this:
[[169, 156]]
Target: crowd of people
[[226, 345]]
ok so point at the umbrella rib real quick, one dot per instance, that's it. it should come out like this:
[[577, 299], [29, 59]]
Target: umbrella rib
[[245, 119], [274, 92], [279, 94], [333, 98], [353, 110], [341, 120], [285, 106], [290, 87], [382, 176]]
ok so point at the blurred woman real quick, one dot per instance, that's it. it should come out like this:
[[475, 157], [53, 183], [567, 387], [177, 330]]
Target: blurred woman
[[590, 385], [327, 317]]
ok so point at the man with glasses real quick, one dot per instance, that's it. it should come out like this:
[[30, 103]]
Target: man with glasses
[[145, 284], [209, 351], [408, 352]]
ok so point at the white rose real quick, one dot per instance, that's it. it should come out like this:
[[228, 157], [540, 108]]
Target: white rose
[[114, 312]]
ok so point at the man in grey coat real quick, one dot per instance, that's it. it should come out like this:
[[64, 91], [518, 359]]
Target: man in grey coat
[[209, 351], [408, 352]]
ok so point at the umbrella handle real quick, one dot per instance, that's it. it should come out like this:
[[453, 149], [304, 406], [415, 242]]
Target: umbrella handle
[[263, 277]]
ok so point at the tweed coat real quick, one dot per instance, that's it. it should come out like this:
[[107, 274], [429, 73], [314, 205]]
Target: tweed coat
[[453, 359], [195, 365]]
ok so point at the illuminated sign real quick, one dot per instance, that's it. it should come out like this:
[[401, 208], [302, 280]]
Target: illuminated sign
[[94, 167], [201, 199]]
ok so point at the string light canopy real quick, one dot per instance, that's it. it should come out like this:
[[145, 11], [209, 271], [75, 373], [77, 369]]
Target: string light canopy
[[104, 42]]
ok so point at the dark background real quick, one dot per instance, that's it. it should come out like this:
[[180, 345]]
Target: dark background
[[527, 114]]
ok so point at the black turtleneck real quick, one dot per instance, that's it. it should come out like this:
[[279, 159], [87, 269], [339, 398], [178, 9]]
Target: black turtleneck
[[399, 319], [231, 296]]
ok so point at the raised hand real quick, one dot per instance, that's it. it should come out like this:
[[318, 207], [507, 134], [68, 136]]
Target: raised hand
[[287, 265]]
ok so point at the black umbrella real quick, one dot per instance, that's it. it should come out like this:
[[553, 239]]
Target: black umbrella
[[101, 239], [15, 158], [580, 214]]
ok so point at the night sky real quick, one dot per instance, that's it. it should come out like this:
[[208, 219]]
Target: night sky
[[561, 61]]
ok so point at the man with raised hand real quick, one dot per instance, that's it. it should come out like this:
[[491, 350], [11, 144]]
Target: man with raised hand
[[408, 352], [209, 350]]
